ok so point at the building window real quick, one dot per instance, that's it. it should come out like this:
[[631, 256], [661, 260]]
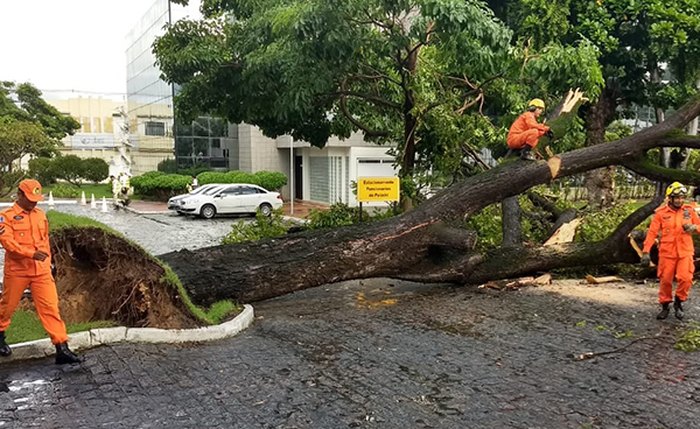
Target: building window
[[155, 128]]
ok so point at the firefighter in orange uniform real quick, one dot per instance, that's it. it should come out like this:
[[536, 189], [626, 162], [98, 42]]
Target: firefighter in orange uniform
[[672, 225], [526, 131], [24, 233]]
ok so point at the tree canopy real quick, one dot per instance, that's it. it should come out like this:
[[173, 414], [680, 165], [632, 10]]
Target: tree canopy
[[424, 76], [28, 126]]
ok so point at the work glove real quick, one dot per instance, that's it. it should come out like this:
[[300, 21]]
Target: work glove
[[549, 133], [645, 260], [690, 227]]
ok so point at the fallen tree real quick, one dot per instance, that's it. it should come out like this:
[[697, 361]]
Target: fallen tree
[[421, 244]]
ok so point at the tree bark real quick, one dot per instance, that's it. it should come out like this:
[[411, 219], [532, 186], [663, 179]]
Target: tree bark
[[600, 183], [420, 244], [510, 215]]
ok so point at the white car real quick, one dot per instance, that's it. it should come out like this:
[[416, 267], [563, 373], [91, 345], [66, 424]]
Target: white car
[[174, 202], [233, 198]]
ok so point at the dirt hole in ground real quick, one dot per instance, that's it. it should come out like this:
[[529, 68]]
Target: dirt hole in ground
[[101, 276]]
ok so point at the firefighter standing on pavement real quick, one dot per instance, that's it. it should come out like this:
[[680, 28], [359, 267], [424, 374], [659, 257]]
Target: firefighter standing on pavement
[[24, 233], [673, 225], [526, 131]]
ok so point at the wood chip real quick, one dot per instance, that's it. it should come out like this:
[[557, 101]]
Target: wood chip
[[554, 164], [598, 280], [564, 234]]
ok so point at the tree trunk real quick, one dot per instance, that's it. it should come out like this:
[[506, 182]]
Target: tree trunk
[[512, 230], [419, 245], [600, 183]]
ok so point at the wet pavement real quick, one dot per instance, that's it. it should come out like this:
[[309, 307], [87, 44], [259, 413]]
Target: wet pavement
[[380, 353]]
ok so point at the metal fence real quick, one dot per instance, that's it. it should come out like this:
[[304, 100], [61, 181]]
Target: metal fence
[[577, 193]]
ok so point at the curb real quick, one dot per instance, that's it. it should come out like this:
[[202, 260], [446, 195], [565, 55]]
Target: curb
[[147, 212], [121, 334]]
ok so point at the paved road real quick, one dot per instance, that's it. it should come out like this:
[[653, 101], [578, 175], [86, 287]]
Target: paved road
[[383, 354]]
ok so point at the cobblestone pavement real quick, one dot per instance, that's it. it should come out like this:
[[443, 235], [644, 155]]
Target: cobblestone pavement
[[157, 233], [386, 354]]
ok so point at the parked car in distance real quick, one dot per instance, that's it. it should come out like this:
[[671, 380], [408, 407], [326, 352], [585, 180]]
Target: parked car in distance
[[174, 202], [228, 199]]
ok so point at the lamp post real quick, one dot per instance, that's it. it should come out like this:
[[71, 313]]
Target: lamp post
[[291, 176]]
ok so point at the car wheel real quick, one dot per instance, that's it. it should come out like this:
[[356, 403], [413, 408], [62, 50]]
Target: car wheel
[[208, 211], [265, 209]]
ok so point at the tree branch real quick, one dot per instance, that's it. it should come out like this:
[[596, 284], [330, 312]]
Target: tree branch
[[365, 129], [658, 173], [371, 98]]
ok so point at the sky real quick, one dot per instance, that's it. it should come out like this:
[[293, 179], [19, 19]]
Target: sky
[[67, 45]]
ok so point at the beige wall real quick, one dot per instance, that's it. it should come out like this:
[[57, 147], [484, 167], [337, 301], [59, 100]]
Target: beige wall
[[93, 113]]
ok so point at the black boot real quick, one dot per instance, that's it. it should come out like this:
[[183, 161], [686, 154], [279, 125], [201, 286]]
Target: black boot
[[664, 311], [65, 355], [678, 308], [526, 154], [5, 350]]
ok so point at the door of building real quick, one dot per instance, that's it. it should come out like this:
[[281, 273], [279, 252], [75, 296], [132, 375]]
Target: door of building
[[298, 176]]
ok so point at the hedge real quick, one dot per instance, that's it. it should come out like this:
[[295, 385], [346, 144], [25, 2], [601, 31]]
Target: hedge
[[161, 186], [270, 180]]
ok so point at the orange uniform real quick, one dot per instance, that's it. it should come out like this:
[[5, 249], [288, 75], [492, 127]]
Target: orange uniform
[[25, 233], [525, 131], [675, 249]]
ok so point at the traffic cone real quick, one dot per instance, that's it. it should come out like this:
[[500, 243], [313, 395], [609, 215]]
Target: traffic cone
[[104, 205], [93, 204], [51, 202], [82, 199]]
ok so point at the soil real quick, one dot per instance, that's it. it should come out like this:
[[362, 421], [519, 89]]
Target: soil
[[101, 276]]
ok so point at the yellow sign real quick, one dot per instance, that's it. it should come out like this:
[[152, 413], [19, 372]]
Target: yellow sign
[[377, 189]]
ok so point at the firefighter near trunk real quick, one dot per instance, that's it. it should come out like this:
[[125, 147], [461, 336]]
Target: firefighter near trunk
[[671, 228], [24, 233], [525, 132]]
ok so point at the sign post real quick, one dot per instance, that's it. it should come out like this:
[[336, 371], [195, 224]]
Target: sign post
[[377, 189]]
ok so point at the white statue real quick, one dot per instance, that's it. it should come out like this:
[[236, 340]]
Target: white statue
[[121, 163]]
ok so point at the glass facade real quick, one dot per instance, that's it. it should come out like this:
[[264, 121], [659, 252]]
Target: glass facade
[[152, 120]]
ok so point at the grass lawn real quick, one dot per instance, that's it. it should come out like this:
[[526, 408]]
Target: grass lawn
[[99, 190], [26, 326]]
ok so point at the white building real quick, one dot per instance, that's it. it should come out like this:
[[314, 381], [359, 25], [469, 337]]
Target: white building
[[320, 175]]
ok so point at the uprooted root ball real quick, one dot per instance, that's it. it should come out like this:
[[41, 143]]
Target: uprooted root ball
[[101, 276]]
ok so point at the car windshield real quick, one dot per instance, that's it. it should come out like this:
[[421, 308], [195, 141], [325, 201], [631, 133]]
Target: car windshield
[[213, 190], [201, 189]]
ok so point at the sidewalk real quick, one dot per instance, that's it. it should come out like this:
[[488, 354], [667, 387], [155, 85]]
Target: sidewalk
[[301, 208]]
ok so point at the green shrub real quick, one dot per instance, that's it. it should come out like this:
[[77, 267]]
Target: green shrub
[[270, 180], [598, 225], [95, 169], [168, 166], [488, 226], [689, 341], [42, 170], [68, 168], [339, 214], [65, 190], [160, 186], [263, 227], [193, 171]]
